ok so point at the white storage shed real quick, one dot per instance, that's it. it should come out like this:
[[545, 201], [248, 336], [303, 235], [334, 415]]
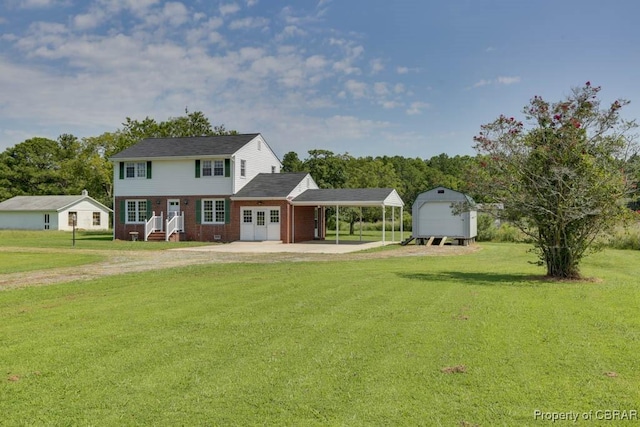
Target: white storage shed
[[53, 213], [434, 216]]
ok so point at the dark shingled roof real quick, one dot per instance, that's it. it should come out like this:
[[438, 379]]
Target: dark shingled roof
[[271, 185], [345, 195], [223, 145]]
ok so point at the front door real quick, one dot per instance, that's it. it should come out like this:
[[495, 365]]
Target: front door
[[261, 225], [173, 208]]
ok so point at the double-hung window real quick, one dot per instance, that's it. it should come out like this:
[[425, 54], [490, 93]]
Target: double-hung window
[[212, 168], [218, 168], [136, 212], [135, 170], [243, 168], [206, 168], [213, 211]]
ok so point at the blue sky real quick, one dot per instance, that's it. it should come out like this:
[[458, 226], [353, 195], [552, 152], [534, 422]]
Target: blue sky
[[414, 78]]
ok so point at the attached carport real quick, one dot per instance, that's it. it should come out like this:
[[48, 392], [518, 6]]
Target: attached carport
[[353, 197]]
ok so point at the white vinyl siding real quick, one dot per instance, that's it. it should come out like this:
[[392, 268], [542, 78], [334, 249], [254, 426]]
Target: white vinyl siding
[[173, 177]]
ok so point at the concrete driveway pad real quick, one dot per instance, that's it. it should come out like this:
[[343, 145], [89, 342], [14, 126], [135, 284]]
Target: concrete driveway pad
[[310, 247]]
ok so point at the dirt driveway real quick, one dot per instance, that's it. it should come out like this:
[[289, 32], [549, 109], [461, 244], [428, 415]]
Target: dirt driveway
[[119, 262]]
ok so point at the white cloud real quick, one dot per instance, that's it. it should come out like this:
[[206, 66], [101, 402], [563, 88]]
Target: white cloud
[[356, 89], [377, 65], [250, 22], [88, 21], [402, 70], [229, 9], [502, 80], [380, 88], [508, 80], [417, 107]]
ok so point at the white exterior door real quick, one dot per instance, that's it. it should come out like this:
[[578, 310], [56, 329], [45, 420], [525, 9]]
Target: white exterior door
[[173, 208], [260, 223]]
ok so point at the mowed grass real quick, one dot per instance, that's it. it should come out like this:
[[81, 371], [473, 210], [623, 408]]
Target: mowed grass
[[446, 340], [14, 262], [99, 240]]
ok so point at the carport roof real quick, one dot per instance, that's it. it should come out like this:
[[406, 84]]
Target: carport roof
[[349, 197]]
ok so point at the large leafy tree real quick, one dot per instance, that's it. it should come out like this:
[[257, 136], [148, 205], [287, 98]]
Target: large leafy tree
[[561, 179], [40, 166]]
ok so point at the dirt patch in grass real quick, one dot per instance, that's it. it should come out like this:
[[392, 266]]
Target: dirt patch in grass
[[119, 262]]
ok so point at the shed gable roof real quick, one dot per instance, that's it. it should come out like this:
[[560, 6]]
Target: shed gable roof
[[45, 203], [221, 145]]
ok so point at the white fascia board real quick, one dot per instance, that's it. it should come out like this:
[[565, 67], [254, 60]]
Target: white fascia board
[[250, 199], [334, 203], [195, 157], [83, 198]]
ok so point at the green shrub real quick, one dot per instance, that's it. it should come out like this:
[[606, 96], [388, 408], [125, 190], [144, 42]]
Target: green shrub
[[624, 238], [487, 229]]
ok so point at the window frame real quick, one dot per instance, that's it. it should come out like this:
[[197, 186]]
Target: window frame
[[213, 211], [96, 218], [139, 215], [243, 168], [138, 170]]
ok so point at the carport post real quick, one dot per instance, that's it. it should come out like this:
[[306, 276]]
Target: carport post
[[384, 223], [337, 222]]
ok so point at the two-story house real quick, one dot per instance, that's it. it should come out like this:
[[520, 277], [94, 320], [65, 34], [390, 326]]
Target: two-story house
[[222, 188], [182, 188]]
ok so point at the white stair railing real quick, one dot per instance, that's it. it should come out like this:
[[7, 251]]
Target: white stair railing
[[153, 224], [175, 224]]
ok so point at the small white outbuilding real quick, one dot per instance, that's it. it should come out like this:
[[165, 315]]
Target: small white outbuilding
[[53, 213], [434, 215]]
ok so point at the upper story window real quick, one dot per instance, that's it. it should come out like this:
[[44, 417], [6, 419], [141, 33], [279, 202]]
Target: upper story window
[[135, 169], [273, 169], [206, 168], [243, 168], [218, 168], [212, 168]]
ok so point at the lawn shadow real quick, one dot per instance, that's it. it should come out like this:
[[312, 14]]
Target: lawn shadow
[[478, 278]]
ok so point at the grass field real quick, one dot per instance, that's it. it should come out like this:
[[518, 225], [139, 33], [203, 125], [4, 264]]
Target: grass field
[[84, 240], [465, 340], [14, 262]]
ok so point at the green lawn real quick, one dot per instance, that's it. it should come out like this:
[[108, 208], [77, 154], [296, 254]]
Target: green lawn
[[84, 240], [13, 262], [326, 343]]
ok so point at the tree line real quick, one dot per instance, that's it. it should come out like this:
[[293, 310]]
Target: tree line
[[68, 165], [565, 179]]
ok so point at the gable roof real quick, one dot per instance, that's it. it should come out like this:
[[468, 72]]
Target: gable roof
[[221, 145], [45, 203], [271, 185], [444, 194], [350, 197]]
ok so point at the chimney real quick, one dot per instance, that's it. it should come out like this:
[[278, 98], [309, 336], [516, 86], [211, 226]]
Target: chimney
[[85, 193]]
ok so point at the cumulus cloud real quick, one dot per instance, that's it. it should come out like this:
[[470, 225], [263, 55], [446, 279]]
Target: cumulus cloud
[[229, 9], [247, 23], [502, 80], [417, 107]]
